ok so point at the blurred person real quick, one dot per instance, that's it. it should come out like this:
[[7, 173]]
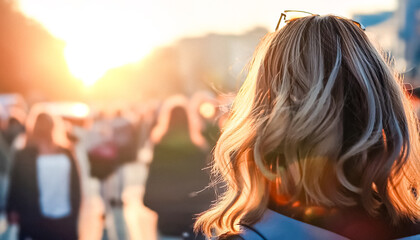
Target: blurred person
[[4, 150], [148, 115], [4, 155], [90, 222], [102, 151], [126, 184], [321, 142], [14, 129], [15, 124], [124, 135], [11, 134], [44, 194], [175, 188], [79, 132], [102, 155], [140, 221], [123, 142], [4, 164]]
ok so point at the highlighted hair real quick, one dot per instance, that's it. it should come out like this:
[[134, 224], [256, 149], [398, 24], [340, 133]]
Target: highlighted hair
[[322, 120]]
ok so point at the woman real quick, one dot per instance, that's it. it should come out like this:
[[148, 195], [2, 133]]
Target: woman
[[321, 142], [176, 185], [44, 194]]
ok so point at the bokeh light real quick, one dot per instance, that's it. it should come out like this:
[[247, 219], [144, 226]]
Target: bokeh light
[[207, 110]]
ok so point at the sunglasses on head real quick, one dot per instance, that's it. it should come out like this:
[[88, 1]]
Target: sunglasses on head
[[289, 15]]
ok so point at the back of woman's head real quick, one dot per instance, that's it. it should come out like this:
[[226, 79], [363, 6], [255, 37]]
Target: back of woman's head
[[322, 120], [45, 127], [175, 114], [178, 119]]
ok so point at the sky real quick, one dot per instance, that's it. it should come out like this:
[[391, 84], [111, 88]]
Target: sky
[[104, 34]]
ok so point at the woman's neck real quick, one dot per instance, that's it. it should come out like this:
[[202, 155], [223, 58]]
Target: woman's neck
[[46, 147]]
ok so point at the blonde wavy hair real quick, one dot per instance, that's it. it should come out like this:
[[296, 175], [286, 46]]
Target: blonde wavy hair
[[321, 119]]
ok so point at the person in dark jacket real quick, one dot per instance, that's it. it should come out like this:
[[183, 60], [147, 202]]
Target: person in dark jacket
[[176, 186], [44, 195]]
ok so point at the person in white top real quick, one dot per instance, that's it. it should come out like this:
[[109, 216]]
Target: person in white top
[[44, 195]]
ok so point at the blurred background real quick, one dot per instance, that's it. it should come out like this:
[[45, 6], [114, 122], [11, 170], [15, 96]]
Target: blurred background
[[115, 71]]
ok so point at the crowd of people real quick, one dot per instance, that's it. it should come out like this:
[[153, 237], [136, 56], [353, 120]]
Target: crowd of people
[[50, 163]]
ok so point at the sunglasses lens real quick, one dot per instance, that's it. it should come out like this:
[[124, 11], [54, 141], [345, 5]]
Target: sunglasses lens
[[359, 25]]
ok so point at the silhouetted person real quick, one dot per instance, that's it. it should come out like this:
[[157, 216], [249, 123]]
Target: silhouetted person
[[177, 174], [44, 195]]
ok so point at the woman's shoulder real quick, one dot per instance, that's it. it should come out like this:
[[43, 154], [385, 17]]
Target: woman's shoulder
[[230, 236], [24, 152], [351, 222], [65, 151]]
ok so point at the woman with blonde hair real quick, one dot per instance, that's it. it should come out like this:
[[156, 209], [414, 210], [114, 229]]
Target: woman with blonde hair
[[321, 142]]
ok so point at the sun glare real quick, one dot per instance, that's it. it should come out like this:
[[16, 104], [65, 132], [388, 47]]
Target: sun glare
[[99, 35], [80, 110]]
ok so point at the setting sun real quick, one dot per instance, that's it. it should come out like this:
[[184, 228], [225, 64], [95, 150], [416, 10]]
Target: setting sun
[[99, 36]]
